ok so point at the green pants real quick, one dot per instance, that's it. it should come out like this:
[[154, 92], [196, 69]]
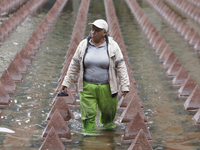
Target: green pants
[[93, 95]]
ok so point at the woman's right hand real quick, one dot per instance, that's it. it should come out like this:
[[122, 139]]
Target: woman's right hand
[[65, 89]]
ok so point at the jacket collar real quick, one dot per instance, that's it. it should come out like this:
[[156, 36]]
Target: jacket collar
[[110, 50], [109, 41]]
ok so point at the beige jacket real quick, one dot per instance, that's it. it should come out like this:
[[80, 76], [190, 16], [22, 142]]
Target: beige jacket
[[117, 67]]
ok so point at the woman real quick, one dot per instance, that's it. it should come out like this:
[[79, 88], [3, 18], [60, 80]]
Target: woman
[[100, 63]]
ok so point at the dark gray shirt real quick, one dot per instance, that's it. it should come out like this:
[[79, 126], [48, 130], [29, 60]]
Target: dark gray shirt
[[96, 64]]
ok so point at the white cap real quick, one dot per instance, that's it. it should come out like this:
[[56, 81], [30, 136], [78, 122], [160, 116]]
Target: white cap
[[100, 23]]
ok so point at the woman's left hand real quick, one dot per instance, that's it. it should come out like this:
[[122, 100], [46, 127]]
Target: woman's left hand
[[124, 93]]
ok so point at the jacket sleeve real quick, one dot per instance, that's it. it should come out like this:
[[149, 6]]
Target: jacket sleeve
[[73, 69], [121, 70]]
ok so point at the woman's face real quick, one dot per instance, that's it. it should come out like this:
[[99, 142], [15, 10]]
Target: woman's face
[[97, 34]]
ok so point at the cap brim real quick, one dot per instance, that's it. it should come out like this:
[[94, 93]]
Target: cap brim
[[95, 25]]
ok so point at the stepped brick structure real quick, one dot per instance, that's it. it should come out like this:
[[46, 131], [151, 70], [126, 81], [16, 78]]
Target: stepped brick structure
[[62, 107], [134, 127], [131, 110], [52, 141], [8, 82], [59, 125], [140, 142]]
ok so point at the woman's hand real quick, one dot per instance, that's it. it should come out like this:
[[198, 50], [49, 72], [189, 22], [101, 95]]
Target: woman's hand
[[124, 93], [65, 89], [63, 92]]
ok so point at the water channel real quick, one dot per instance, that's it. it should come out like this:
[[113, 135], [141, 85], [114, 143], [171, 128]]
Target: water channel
[[170, 125]]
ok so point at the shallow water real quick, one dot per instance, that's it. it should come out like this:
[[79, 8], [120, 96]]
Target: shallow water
[[170, 125]]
